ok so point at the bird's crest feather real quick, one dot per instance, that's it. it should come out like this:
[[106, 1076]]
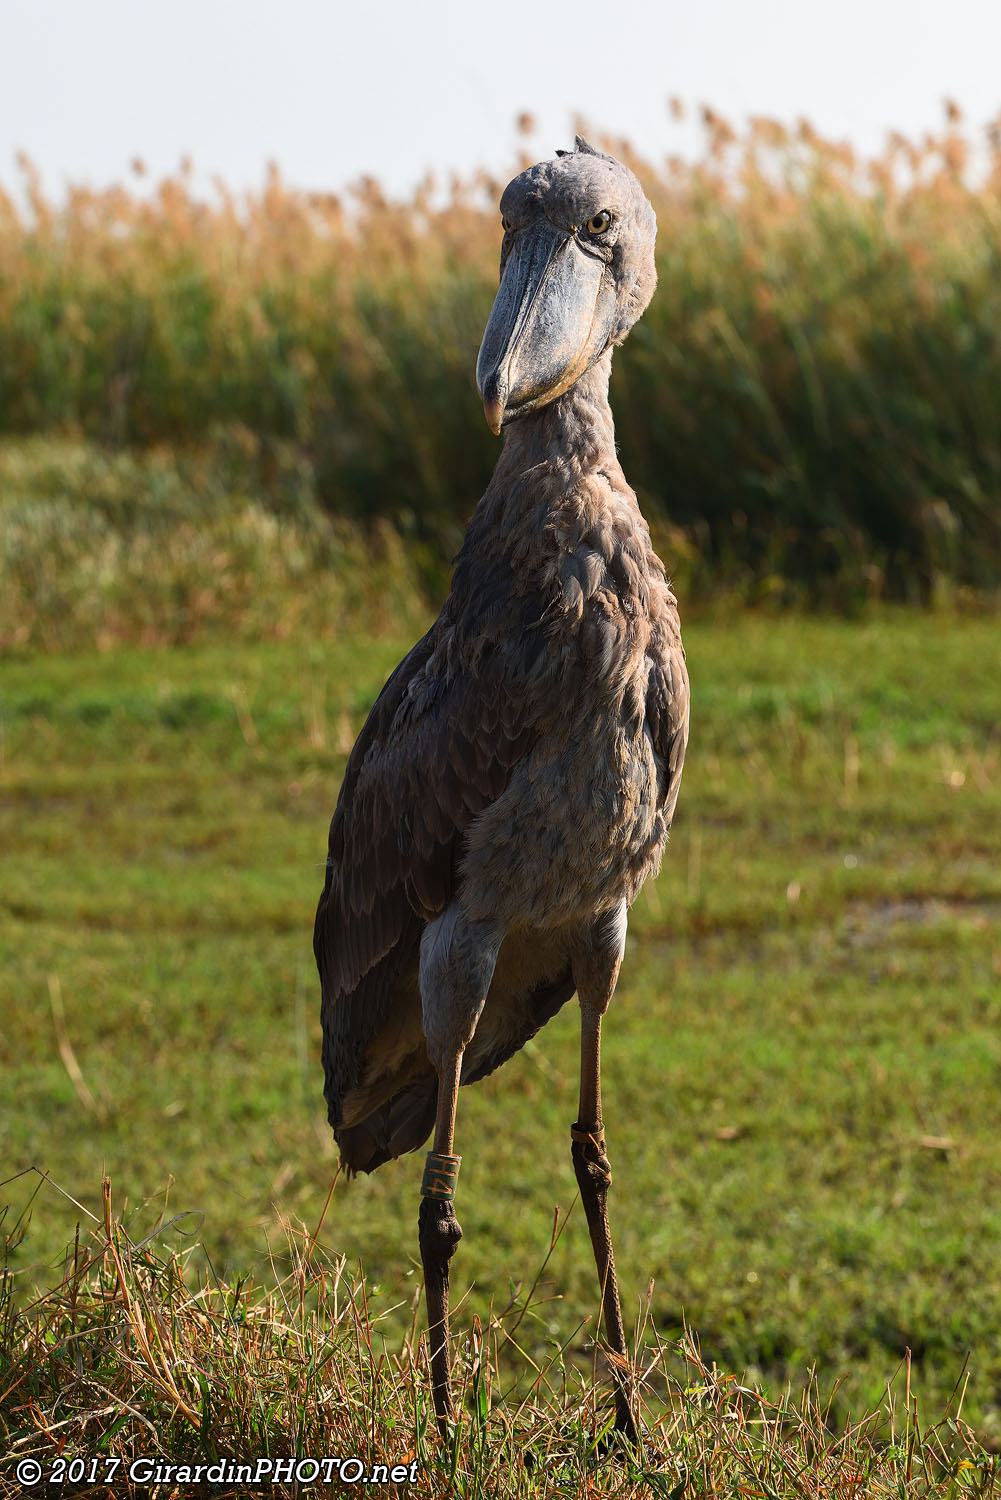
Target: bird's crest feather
[[581, 147]]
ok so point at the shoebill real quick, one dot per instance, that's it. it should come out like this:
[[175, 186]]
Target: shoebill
[[514, 784]]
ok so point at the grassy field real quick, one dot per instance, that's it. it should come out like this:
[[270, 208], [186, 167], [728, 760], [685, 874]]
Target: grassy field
[[238, 443], [802, 1060]]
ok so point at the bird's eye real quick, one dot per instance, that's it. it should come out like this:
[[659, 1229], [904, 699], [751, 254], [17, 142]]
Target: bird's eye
[[599, 223]]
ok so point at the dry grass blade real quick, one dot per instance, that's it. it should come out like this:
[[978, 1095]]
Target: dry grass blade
[[66, 1048], [126, 1357]]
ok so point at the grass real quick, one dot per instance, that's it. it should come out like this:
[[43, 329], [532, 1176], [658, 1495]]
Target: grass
[[99, 547], [801, 1064], [132, 1358]]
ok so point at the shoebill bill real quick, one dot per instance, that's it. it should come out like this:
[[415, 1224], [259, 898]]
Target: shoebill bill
[[515, 782]]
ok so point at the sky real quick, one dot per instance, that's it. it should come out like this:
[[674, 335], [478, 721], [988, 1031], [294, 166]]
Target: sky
[[394, 88]]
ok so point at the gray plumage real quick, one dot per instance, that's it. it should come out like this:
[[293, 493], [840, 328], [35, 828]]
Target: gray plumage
[[516, 779], [515, 782]]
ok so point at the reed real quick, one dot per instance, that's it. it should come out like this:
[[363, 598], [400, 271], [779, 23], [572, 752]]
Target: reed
[[810, 409]]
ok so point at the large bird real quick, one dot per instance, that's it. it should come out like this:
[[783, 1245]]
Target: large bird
[[515, 782]]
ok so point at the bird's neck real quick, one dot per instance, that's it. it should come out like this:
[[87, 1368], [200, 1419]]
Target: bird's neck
[[557, 483], [557, 445]]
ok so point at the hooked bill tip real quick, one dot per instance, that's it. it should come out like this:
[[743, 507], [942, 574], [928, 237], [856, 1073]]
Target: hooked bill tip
[[493, 410]]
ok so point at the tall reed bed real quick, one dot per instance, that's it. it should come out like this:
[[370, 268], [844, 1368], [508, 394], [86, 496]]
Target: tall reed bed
[[811, 408]]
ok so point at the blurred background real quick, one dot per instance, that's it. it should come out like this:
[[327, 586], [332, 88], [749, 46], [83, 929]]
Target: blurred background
[[246, 257], [272, 240]]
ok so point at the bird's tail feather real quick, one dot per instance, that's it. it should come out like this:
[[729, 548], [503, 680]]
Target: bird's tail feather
[[402, 1124]]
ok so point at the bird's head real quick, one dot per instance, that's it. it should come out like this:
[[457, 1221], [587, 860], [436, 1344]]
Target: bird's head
[[577, 270]]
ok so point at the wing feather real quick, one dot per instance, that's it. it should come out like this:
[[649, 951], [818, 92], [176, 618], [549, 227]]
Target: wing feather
[[667, 712], [438, 746]]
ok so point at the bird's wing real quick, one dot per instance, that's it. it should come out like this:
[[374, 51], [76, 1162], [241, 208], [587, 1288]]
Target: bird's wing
[[438, 746], [667, 706]]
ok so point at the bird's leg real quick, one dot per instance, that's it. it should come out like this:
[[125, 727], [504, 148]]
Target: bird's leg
[[596, 972], [457, 965], [439, 1234], [594, 1176]]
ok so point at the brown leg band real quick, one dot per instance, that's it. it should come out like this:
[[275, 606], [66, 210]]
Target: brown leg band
[[596, 1140]]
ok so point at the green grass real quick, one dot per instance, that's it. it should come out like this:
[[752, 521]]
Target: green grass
[[132, 1359], [99, 547], [802, 1063]]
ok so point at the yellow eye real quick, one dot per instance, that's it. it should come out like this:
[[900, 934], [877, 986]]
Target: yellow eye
[[599, 223]]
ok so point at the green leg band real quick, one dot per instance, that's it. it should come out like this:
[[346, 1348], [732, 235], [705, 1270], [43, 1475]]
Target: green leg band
[[440, 1176]]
